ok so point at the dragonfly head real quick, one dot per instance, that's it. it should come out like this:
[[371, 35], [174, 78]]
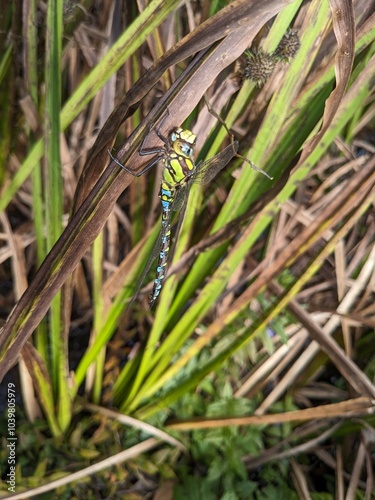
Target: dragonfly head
[[183, 142]]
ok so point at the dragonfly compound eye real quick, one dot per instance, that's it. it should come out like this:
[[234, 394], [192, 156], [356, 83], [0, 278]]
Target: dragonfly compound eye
[[186, 149]]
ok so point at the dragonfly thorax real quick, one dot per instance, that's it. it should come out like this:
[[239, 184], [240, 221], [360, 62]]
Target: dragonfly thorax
[[183, 142]]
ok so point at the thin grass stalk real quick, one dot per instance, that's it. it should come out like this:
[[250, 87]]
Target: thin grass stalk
[[97, 369], [36, 367], [31, 61], [53, 173], [31, 73], [5, 63], [54, 202], [6, 78], [137, 196]]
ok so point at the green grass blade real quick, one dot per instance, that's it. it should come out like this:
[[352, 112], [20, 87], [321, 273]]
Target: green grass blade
[[53, 200]]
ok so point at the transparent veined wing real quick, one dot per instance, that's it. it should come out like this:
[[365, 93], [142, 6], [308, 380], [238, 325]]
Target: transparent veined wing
[[207, 170], [180, 196], [153, 256]]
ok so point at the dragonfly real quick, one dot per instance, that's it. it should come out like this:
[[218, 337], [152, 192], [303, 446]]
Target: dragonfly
[[179, 172]]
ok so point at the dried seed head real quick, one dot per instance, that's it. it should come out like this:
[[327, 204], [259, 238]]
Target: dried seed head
[[258, 67], [288, 47]]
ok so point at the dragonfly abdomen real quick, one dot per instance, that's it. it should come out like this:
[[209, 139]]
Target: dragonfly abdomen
[[162, 262], [167, 198]]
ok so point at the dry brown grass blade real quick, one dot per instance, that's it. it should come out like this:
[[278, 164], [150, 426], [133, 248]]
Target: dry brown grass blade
[[36, 367], [149, 429], [345, 365], [344, 28], [356, 472], [18, 264], [288, 450], [32, 358], [299, 481], [96, 207], [344, 409], [339, 474]]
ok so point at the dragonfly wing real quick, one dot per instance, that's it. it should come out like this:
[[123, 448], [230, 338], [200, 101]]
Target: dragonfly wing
[[182, 205], [150, 260], [180, 198], [207, 170]]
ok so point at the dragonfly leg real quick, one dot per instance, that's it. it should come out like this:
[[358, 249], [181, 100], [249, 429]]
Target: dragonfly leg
[[218, 117], [252, 165], [138, 174], [144, 152], [147, 151], [150, 151]]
